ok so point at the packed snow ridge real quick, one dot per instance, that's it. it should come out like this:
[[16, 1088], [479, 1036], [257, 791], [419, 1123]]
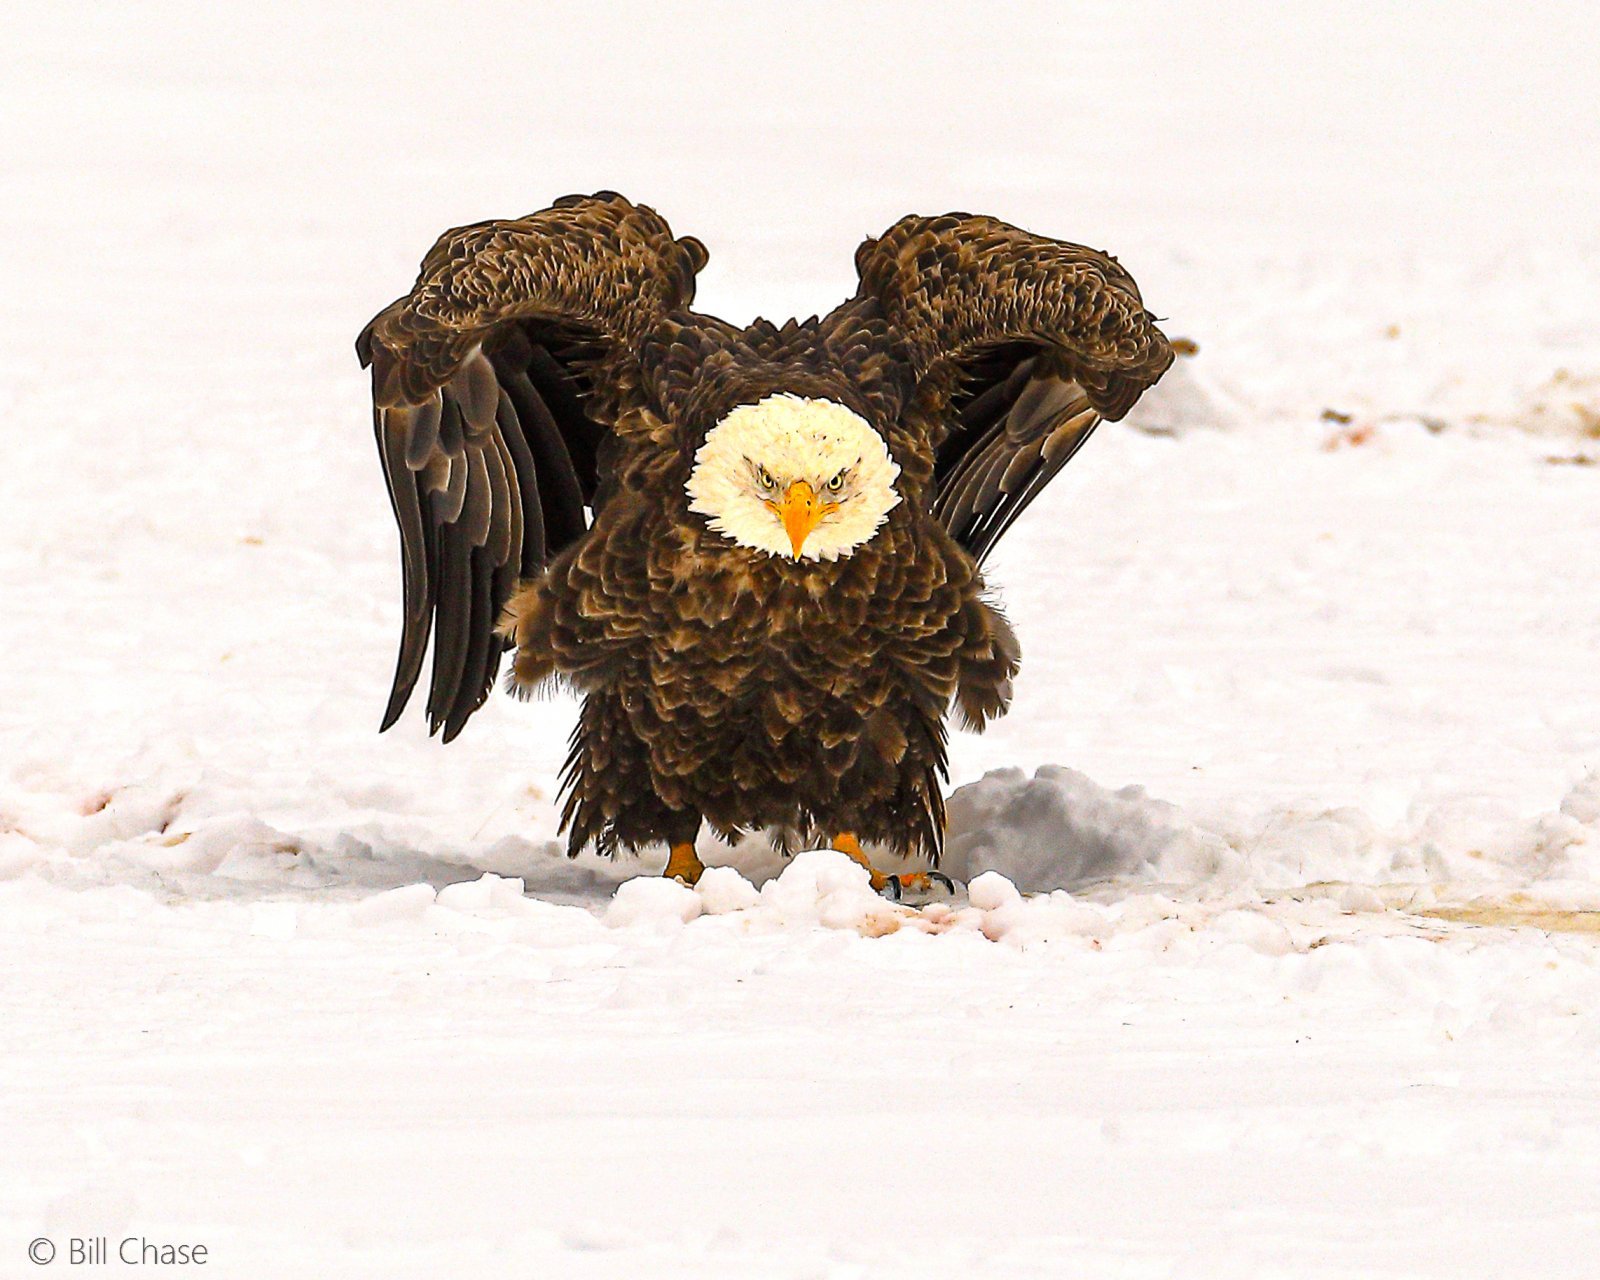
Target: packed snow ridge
[[1045, 857], [823, 888]]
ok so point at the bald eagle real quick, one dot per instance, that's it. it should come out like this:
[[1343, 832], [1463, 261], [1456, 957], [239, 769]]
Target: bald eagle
[[754, 551]]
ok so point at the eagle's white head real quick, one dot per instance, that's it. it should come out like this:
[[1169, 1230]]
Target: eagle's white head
[[795, 478]]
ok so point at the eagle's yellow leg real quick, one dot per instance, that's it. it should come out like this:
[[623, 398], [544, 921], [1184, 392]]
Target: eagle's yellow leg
[[846, 843], [684, 864]]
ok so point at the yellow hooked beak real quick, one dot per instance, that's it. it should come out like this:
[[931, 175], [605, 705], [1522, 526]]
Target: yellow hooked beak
[[801, 512]]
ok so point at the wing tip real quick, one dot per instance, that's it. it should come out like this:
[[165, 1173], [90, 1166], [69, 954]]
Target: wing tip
[[398, 697]]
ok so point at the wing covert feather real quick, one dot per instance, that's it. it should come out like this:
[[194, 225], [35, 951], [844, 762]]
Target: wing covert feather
[[1019, 343]]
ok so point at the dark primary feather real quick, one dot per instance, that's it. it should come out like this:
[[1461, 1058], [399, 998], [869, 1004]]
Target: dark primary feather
[[471, 524], [488, 443]]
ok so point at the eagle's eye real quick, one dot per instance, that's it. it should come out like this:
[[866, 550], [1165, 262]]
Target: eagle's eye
[[834, 485], [764, 478]]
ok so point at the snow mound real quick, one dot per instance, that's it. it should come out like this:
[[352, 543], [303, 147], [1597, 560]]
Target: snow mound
[[1060, 828], [654, 902], [722, 889], [823, 889], [488, 892], [819, 887]]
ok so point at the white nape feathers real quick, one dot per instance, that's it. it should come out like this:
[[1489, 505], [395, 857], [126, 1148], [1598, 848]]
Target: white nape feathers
[[794, 477]]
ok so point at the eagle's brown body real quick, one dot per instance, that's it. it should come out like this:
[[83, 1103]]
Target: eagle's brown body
[[552, 364]]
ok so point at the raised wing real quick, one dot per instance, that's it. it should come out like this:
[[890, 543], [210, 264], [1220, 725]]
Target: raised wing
[[1020, 344], [489, 422]]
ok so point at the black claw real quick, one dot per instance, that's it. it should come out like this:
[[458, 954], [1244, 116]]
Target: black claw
[[894, 887]]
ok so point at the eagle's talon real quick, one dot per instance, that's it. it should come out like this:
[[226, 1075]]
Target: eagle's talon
[[891, 887], [896, 887]]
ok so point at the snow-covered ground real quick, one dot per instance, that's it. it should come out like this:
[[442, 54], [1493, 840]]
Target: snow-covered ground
[[1281, 953]]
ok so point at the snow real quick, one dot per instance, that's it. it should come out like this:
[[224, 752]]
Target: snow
[[1276, 954]]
